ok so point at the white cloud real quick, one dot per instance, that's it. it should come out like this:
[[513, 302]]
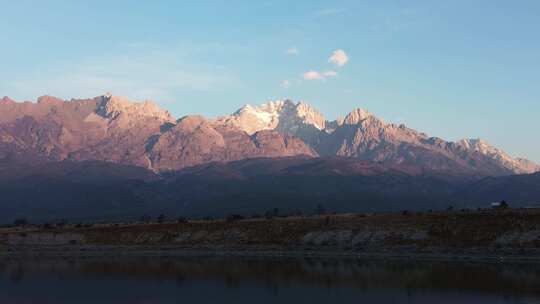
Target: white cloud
[[292, 51], [339, 58], [312, 75], [286, 84], [315, 75]]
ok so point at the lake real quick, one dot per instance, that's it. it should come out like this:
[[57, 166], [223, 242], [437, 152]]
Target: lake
[[138, 280]]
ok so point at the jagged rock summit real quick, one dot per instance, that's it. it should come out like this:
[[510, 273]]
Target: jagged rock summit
[[113, 106], [115, 129], [362, 135]]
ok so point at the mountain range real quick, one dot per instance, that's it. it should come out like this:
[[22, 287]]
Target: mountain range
[[109, 157], [114, 129]]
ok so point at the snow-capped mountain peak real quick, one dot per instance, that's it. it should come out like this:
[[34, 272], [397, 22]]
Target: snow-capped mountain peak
[[283, 115], [362, 134]]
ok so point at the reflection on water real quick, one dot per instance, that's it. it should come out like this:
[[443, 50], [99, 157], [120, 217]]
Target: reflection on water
[[237, 280]]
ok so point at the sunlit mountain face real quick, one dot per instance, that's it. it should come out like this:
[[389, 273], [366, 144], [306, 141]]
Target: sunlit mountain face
[[115, 129]]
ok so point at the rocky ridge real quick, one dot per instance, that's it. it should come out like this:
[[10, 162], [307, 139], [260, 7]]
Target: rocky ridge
[[362, 135], [114, 129]]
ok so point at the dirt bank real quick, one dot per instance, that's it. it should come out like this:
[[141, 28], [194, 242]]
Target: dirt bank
[[488, 233]]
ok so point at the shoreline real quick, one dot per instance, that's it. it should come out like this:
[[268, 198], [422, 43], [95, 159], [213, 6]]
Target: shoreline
[[468, 236], [84, 252]]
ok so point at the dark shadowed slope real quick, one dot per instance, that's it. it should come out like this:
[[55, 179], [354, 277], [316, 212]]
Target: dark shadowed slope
[[520, 190], [77, 190], [56, 190]]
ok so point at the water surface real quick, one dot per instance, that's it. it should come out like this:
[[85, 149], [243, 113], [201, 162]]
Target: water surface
[[263, 280]]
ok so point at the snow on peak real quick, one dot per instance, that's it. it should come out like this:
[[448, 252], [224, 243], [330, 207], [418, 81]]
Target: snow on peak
[[310, 115], [278, 114], [481, 146]]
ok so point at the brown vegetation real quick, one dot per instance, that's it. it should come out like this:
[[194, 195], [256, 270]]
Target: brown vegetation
[[462, 231]]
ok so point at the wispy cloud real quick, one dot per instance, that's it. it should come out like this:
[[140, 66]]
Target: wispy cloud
[[395, 21], [286, 84], [292, 51], [339, 58], [330, 74], [157, 75], [316, 75], [328, 12]]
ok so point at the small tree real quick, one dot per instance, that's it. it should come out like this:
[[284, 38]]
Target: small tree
[[320, 210], [233, 218], [161, 218], [145, 218], [62, 223], [268, 215], [271, 213], [20, 222]]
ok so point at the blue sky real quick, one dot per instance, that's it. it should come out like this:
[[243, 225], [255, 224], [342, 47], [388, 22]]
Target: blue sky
[[452, 69]]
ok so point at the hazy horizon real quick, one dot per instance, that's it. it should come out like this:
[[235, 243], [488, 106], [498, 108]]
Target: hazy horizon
[[452, 70]]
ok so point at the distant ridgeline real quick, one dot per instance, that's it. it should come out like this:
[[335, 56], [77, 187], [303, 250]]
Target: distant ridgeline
[[109, 157], [97, 191]]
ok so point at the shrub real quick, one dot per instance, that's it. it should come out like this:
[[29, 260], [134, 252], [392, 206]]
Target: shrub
[[62, 223], [233, 218]]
